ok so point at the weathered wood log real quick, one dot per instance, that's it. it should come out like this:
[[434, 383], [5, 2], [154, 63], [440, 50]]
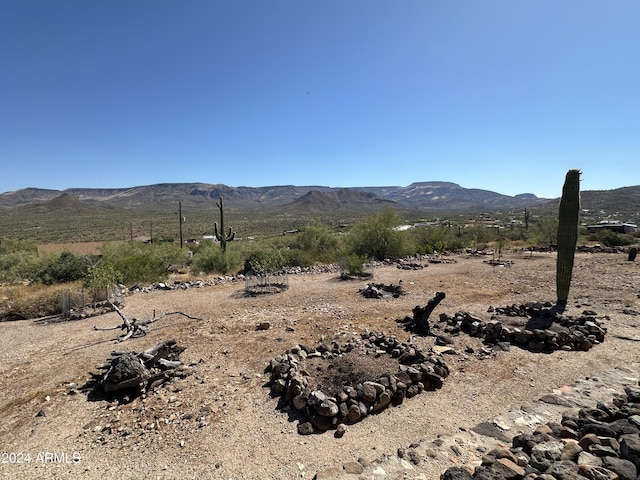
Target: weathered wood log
[[421, 315], [140, 371]]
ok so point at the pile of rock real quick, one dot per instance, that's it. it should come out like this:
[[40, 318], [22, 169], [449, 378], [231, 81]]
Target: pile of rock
[[545, 329], [596, 443], [379, 290], [417, 371], [404, 265]]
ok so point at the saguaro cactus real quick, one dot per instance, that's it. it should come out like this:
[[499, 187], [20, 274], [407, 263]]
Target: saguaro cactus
[[220, 235], [567, 234]]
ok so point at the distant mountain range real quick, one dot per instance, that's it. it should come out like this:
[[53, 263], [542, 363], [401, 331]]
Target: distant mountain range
[[422, 195]]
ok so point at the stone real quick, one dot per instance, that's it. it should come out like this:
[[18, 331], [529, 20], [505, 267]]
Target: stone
[[624, 468], [586, 458], [630, 449], [353, 468], [263, 326], [596, 473], [368, 392], [571, 451], [305, 428], [299, 402], [328, 408], [508, 469], [587, 440], [341, 429], [316, 398], [456, 473], [486, 473], [321, 422], [384, 400], [543, 455], [564, 469], [332, 473], [354, 413]]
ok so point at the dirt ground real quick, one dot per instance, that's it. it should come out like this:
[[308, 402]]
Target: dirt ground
[[221, 422]]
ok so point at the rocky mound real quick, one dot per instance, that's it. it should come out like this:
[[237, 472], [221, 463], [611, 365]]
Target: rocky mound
[[365, 388], [598, 443]]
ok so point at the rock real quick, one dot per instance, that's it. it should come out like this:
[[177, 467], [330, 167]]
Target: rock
[[341, 429], [354, 413], [508, 469], [353, 468], [543, 455], [316, 398], [596, 473], [624, 468], [565, 470], [571, 452], [328, 408], [263, 326], [305, 428], [456, 473], [486, 473], [384, 400], [368, 392], [332, 473], [630, 448], [321, 422]]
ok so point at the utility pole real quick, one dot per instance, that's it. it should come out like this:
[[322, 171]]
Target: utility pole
[[180, 215]]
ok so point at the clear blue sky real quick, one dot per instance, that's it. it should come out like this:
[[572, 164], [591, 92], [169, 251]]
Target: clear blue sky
[[501, 95]]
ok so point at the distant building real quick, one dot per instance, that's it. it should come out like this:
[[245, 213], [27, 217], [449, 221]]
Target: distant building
[[614, 226]]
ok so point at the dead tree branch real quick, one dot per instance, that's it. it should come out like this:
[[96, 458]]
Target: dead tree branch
[[134, 327]]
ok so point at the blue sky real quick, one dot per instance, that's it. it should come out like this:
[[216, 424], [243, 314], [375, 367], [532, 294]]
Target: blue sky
[[501, 95]]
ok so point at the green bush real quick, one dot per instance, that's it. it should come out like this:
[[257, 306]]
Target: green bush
[[141, 263], [265, 261], [66, 267], [609, 238], [318, 242], [352, 265], [209, 258], [18, 261], [377, 237]]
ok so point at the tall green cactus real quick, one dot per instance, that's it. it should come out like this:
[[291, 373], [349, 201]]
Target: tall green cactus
[[220, 235], [567, 234]]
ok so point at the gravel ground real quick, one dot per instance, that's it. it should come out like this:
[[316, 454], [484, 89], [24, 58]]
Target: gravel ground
[[221, 422]]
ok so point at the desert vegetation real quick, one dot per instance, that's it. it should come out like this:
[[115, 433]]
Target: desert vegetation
[[32, 278]]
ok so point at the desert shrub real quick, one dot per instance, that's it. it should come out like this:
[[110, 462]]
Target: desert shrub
[[377, 237], [62, 268], [19, 260], [100, 277], [141, 263], [265, 261], [209, 258], [439, 238], [352, 265], [318, 242], [609, 238], [294, 257], [543, 231]]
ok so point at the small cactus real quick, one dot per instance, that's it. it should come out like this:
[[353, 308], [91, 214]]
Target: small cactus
[[567, 234], [220, 235]]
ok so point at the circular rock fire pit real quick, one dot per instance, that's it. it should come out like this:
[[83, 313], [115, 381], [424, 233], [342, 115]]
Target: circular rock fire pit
[[333, 385]]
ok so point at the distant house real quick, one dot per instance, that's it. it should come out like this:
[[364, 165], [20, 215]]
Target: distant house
[[614, 226]]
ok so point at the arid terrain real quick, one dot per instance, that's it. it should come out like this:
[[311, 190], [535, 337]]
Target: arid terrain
[[221, 421]]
